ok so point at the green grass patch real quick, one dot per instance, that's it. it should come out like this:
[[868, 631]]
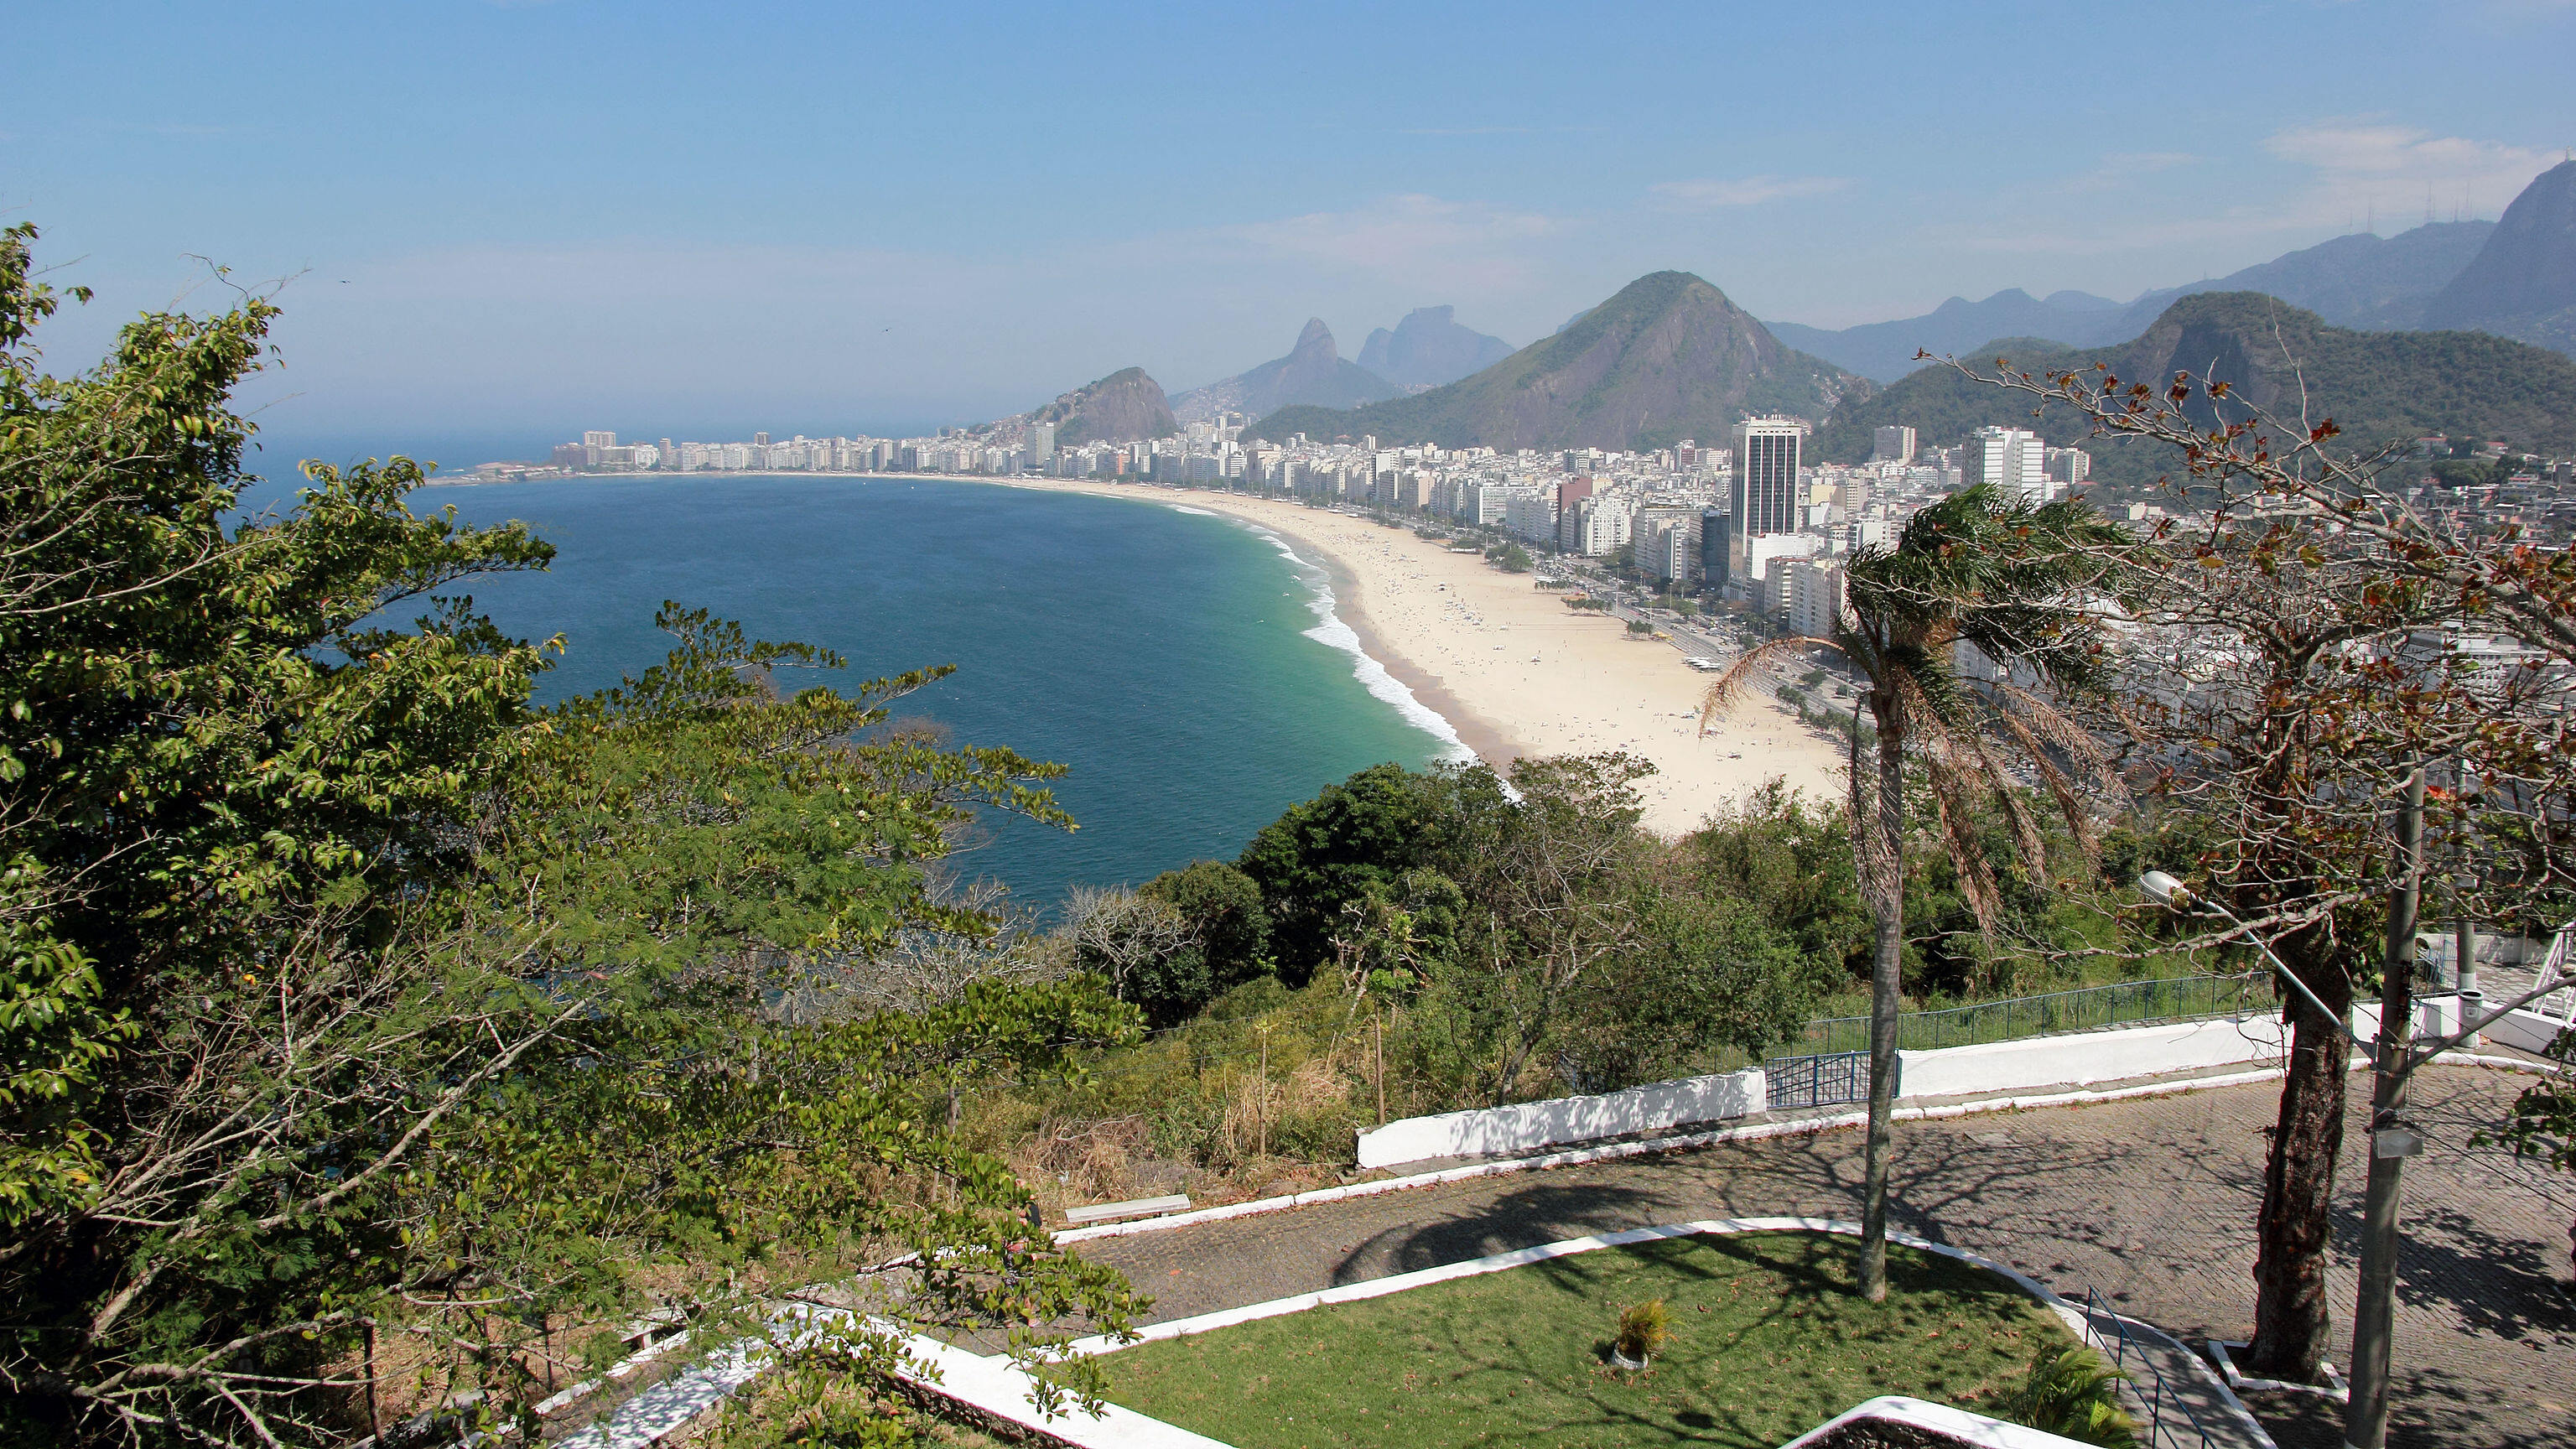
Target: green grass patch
[[1769, 1340]]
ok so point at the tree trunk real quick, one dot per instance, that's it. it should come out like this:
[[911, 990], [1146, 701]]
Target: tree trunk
[[2295, 1229], [1884, 882]]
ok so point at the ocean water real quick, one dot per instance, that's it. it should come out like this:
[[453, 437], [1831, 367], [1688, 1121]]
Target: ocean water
[[1186, 668]]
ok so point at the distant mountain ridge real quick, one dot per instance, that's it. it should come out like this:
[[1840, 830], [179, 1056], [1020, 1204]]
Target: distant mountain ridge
[[1885, 350], [2378, 386], [1121, 408], [1430, 349], [1668, 357], [1312, 372], [2362, 280], [2522, 283]]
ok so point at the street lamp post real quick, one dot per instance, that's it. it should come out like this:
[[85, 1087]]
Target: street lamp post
[[2167, 891]]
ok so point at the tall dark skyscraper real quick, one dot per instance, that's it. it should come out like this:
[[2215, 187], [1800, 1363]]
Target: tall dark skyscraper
[[1765, 494]]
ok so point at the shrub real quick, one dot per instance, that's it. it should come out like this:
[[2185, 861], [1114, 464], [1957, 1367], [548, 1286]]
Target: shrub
[[2072, 1393], [1644, 1328], [1224, 908]]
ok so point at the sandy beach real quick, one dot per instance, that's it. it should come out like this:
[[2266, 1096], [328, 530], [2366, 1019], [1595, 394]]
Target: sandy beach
[[1517, 673]]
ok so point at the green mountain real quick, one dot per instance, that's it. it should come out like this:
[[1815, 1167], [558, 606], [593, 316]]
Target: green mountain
[[2377, 386], [1667, 358], [1120, 408]]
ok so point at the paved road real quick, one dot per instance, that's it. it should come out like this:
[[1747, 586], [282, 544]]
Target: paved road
[[2150, 1201]]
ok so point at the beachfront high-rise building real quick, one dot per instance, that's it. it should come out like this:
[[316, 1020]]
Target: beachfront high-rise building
[[1042, 441], [1811, 598], [1765, 491], [1530, 513], [1892, 445], [1601, 525], [1664, 544], [2011, 459]]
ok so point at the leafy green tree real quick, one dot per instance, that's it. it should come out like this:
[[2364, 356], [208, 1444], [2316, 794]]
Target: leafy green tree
[[376, 1044], [2003, 577], [1353, 839], [1224, 909], [1579, 951]]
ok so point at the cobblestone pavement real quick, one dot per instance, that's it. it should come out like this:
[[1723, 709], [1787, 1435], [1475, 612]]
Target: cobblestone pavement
[[2150, 1201]]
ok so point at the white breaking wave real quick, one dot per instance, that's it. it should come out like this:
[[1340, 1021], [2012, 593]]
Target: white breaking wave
[[1193, 512], [1331, 632]]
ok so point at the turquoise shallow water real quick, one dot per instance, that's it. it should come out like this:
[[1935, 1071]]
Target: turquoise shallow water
[[1170, 659]]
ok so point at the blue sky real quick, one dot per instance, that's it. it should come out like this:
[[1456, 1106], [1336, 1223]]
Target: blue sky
[[521, 220]]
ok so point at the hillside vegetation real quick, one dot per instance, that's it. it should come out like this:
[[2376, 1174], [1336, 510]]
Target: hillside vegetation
[[2377, 386]]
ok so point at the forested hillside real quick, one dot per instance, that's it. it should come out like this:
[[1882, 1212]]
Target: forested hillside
[[2377, 386]]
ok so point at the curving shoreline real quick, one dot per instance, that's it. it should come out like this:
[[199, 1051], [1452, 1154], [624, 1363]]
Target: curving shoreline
[[1506, 669], [1436, 622]]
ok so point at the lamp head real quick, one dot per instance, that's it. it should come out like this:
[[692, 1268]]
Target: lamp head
[[2164, 889]]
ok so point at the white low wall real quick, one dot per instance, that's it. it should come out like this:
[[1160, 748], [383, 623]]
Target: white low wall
[[2435, 1017], [1492, 1130], [2074, 1060], [2093, 1056], [2524, 1030]]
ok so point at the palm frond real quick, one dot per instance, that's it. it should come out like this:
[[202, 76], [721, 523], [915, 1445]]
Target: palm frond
[[2065, 736], [2073, 808], [1976, 874], [1738, 680], [1998, 781]]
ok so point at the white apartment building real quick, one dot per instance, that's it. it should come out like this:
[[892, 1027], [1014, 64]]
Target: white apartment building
[[1530, 513], [2013, 460], [1811, 598], [1665, 544], [1603, 524]]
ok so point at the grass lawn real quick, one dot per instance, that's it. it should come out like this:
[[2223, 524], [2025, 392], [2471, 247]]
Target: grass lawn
[[1768, 1342]]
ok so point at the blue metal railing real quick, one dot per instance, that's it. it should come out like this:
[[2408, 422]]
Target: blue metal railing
[[2160, 1396]]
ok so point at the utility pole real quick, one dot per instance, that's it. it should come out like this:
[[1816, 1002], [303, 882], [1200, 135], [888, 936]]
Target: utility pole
[[1378, 1058], [2365, 1422], [2464, 930]]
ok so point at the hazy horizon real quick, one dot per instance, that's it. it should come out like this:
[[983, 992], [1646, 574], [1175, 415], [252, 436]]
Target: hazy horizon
[[521, 220]]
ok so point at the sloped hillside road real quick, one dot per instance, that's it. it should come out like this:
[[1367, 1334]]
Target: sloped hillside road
[[2149, 1201]]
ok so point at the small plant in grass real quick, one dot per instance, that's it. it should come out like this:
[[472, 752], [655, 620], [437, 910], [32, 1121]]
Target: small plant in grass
[[1644, 1328], [2071, 1392]]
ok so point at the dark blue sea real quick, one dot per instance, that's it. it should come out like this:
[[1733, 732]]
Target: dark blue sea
[[1184, 667]]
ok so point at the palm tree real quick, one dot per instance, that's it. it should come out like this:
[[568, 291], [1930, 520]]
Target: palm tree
[[1990, 571]]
